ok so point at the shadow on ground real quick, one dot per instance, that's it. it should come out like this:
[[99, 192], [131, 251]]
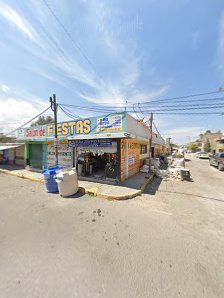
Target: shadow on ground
[[77, 195], [11, 167], [153, 187]]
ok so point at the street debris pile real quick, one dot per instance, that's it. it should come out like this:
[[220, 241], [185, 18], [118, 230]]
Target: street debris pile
[[172, 167]]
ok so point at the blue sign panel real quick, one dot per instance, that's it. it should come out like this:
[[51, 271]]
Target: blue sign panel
[[90, 143]]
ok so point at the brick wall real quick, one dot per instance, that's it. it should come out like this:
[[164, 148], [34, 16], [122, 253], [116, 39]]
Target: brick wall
[[123, 159], [133, 158]]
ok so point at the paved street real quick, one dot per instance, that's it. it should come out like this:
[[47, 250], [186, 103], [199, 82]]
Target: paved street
[[167, 243]]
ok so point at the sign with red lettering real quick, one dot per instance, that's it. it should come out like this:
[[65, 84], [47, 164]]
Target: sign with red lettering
[[32, 133]]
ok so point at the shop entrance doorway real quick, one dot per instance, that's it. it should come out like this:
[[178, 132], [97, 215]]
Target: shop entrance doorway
[[35, 153], [97, 159]]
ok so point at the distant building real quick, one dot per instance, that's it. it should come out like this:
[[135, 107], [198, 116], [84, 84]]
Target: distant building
[[212, 138], [220, 144]]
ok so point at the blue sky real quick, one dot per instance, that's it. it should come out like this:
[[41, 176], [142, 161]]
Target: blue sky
[[137, 51]]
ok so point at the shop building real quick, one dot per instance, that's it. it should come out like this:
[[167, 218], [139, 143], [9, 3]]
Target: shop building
[[109, 147], [12, 153], [159, 146]]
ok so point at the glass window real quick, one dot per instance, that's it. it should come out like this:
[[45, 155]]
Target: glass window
[[143, 149]]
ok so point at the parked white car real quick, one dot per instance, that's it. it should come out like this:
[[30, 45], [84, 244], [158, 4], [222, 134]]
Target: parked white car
[[204, 155]]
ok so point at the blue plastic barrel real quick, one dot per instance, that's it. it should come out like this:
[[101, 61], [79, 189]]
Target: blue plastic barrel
[[50, 182]]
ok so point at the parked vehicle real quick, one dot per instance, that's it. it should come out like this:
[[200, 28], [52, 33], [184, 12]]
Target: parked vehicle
[[217, 160], [202, 155]]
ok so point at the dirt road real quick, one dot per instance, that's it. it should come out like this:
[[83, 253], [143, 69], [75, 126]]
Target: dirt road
[[167, 243]]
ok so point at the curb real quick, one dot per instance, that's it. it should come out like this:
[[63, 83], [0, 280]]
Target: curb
[[91, 191], [94, 192], [21, 176]]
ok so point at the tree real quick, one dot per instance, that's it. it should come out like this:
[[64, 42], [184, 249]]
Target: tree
[[207, 146], [192, 147], [5, 139], [42, 120]]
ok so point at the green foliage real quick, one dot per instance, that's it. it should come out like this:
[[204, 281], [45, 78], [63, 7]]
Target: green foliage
[[192, 147], [207, 146], [5, 139], [42, 120]]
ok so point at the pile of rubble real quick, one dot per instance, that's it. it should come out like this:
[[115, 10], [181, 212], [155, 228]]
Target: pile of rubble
[[175, 168]]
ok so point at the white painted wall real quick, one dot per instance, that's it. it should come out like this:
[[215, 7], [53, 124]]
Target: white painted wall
[[136, 128]]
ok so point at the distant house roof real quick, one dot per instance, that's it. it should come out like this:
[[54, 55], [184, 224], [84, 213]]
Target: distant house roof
[[5, 147]]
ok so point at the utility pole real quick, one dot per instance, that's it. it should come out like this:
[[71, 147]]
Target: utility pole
[[54, 108], [150, 139]]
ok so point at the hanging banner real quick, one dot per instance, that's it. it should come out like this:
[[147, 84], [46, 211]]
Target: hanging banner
[[90, 143], [109, 123], [81, 127]]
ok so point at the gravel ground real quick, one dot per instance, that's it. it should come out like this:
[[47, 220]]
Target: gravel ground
[[167, 243]]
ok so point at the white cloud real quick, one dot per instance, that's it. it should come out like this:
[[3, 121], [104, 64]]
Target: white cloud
[[18, 21], [17, 107], [128, 59], [64, 62], [4, 88], [186, 134]]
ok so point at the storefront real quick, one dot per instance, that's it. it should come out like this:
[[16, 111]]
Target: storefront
[[12, 154], [98, 158], [158, 146], [112, 146]]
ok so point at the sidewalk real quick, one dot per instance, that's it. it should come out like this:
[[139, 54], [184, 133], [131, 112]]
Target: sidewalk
[[128, 189]]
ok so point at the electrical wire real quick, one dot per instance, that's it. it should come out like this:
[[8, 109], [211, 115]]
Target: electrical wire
[[77, 47], [185, 105], [136, 112], [189, 100], [156, 128], [186, 96], [188, 113], [70, 115], [154, 109], [183, 109], [163, 105], [21, 126]]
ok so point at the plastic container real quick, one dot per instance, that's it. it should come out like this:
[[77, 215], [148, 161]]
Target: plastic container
[[185, 174], [50, 183], [67, 182]]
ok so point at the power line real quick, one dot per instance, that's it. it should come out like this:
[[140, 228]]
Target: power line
[[69, 36], [188, 113], [136, 112], [189, 100], [21, 126], [184, 109], [186, 96], [152, 109], [156, 128], [179, 103], [148, 105], [70, 115]]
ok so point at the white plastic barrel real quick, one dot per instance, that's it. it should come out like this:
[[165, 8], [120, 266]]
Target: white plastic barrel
[[67, 182]]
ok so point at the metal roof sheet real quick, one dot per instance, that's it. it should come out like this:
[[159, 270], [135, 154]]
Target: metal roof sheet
[[5, 147]]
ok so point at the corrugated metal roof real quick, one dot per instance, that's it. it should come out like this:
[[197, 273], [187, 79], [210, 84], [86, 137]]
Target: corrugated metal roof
[[5, 147]]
